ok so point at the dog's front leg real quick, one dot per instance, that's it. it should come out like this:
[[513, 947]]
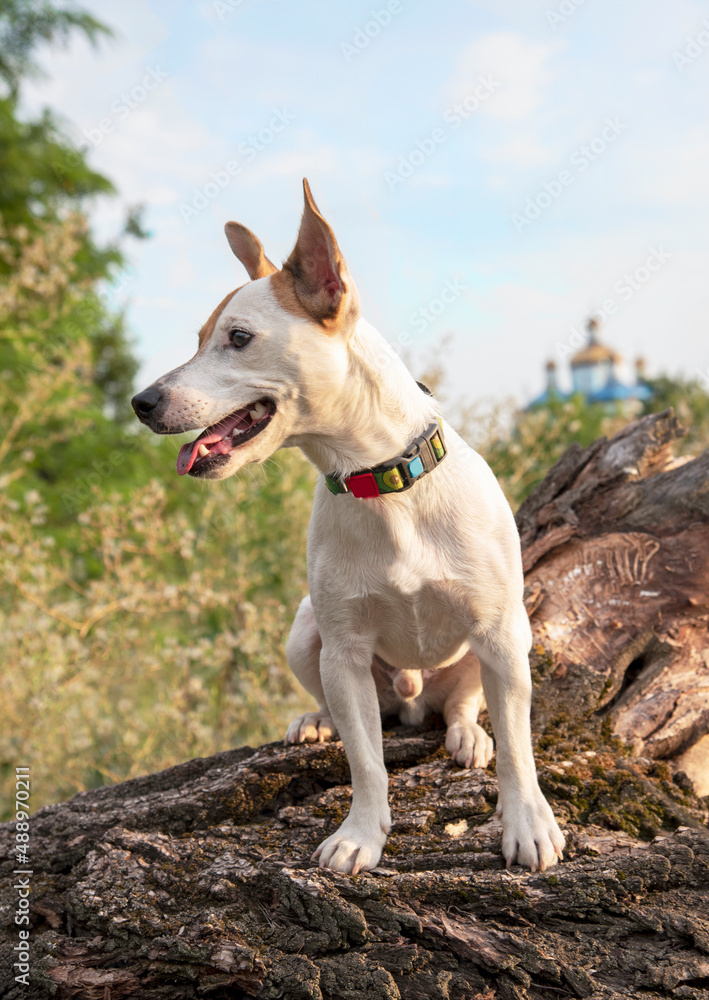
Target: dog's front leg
[[352, 699], [530, 834]]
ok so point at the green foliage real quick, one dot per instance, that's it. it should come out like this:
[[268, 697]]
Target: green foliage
[[46, 179], [690, 401], [57, 281], [523, 456], [133, 641], [51, 306], [44, 174], [25, 24], [521, 446]]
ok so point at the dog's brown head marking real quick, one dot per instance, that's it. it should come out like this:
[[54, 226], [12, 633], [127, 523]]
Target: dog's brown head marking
[[314, 283], [208, 329]]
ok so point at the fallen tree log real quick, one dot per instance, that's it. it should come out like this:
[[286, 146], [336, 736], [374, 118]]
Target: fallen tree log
[[196, 882], [616, 555]]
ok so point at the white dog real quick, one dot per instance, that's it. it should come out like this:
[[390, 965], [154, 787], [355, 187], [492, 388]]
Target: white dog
[[413, 554]]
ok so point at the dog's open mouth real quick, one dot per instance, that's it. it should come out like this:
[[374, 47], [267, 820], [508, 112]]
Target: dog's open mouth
[[217, 442]]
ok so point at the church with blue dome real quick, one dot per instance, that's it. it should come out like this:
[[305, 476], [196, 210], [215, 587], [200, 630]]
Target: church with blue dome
[[594, 376]]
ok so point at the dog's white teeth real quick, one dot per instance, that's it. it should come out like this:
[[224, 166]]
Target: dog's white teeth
[[203, 450], [258, 411]]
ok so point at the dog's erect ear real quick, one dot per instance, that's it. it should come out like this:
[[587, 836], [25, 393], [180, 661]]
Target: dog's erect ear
[[318, 268], [248, 249]]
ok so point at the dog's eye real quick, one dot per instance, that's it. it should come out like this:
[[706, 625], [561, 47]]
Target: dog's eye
[[240, 338]]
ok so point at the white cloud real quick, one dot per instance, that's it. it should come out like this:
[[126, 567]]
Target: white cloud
[[674, 174], [182, 272], [524, 149], [519, 65], [155, 302], [314, 158]]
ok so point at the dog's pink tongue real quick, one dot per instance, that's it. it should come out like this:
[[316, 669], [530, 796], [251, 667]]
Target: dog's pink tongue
[[186, 457], [188, 452]]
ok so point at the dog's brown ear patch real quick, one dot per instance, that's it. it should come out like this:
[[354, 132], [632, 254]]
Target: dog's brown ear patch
[[320, 278], [248, 249], [208, 329]]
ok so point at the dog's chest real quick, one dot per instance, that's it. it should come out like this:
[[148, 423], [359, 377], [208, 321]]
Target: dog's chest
[[419, 609], [427, 629], [406, 574]]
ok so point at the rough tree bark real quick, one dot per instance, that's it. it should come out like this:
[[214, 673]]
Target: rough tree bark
[[616, 555], [196, 882]]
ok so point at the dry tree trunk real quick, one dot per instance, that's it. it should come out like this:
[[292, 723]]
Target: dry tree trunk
[[616, 558], [195, 882]]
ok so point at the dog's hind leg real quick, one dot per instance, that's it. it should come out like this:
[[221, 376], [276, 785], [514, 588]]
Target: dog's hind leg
[[466, 741], [530, 833], [303, 654]]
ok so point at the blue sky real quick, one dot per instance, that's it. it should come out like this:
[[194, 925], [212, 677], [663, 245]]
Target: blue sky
[[541, 159]]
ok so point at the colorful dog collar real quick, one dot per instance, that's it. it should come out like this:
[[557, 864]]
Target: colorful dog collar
[[397, 474]]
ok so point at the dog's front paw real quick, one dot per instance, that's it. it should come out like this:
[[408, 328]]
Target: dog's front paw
[[353, 848], [530, 834], [468, 744], [313, 727]]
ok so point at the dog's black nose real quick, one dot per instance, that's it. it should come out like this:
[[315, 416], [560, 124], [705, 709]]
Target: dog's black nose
[[145, 402]]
